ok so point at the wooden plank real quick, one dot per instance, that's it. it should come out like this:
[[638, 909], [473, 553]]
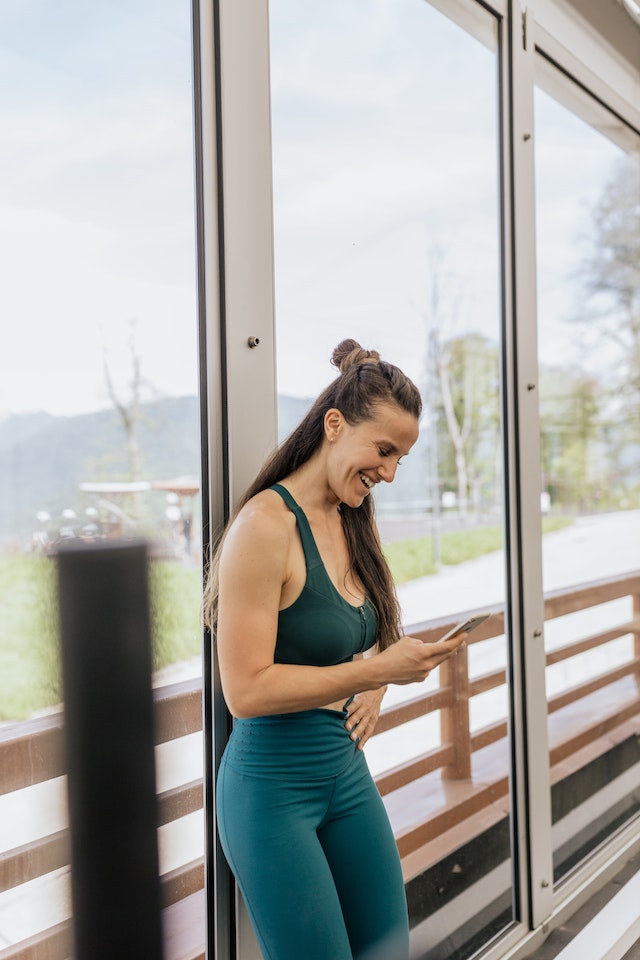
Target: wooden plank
[[461, 833], [51, 944], [412, 709], [590, 642], [591, 686], [488, 735], [31, 752], [178, 710], [487, 681], [182, 882], [35, 859], [179, 802], [184, 926], [588, 734], [560, 602], [406, 773], [42, 856], [479, 797]]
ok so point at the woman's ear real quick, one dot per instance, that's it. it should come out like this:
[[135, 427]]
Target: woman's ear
[[333, 421]]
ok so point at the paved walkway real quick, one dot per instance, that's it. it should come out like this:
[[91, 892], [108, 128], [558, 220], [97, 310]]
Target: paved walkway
[[592, 548]]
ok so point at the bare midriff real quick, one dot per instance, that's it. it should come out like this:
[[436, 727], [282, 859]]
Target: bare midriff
[[336, 705]]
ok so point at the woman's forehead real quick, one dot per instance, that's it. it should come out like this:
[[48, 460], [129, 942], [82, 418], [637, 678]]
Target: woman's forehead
[[395, 425]]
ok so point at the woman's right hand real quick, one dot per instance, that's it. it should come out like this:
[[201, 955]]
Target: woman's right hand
[[409, 660]]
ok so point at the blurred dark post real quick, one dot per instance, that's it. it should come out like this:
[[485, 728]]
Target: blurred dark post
[[106, 660]]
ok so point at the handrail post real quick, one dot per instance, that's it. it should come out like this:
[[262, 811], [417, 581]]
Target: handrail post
[[454, 720]]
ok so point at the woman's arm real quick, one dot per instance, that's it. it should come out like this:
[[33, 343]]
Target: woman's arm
[[253, 570]]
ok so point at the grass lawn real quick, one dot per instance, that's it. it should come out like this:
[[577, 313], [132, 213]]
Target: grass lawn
[[410, 559], [30, 676]]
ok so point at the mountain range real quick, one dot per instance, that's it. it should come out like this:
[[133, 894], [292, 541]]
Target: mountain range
[[44, 459]]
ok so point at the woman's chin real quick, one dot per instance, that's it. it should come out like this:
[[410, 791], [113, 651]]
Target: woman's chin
[[356, 500]]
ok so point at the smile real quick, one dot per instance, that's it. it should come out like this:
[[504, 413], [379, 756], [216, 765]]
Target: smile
[[367, 482]]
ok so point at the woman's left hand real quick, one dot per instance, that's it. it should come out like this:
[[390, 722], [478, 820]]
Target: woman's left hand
[[362, 715]]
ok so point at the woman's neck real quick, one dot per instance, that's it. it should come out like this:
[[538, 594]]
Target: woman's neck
[[310, 488]]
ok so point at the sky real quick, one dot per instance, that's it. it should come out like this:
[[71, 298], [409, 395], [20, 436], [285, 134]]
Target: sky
[[385, 183], [574, 163], [96, 201]]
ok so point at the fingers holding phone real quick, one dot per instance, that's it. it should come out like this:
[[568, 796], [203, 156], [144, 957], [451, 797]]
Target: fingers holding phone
[[455, 638]]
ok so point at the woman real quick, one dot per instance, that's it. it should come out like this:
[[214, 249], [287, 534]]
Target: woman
[[299, 592]]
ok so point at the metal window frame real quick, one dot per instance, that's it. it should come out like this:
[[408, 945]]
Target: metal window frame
[[220, 912], [594, 97], [238, 387], [236, 317], [532, 809]]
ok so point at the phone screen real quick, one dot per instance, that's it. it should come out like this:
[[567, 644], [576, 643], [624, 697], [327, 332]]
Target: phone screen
[[467, 625]]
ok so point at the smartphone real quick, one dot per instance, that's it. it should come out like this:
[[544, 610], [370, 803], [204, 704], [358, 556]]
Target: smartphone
[[465, 626]]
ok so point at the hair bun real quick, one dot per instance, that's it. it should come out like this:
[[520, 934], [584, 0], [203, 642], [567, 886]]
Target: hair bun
[[349, 353]]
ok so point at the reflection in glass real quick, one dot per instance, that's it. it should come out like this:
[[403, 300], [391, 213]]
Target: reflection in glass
[[588, 206], [99, 418], [385, 139]]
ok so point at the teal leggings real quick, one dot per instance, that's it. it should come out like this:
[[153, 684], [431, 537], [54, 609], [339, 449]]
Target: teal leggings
[[308, 839]]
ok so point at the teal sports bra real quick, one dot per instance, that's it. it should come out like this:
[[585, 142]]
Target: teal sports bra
[[320, 628]]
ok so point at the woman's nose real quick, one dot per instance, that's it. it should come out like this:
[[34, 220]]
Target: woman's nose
[[387, 471]]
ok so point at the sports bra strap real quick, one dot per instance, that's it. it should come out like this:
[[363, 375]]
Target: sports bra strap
[[309, 546]]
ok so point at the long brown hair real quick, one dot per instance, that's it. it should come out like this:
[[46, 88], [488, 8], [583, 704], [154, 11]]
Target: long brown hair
[[365, 381]]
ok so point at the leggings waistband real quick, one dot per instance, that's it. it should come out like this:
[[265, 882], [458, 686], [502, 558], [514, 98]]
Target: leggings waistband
[[312, 744]]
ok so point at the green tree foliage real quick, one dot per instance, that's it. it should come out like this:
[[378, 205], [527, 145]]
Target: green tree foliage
[[590, 414], [574, 472]]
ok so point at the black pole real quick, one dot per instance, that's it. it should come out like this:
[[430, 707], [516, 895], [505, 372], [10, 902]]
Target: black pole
[[109, 732]]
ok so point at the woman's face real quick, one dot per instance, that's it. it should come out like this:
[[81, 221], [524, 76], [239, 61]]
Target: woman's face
[[364, 454]]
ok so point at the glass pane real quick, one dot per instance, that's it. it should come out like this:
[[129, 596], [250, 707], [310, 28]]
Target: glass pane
[[99, 416], [387, 233], [588, 214]]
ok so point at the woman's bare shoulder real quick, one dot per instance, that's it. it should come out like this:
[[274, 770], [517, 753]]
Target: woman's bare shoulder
[[265, 519]]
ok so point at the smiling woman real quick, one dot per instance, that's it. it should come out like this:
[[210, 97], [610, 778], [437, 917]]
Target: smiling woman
[[385, 143], [299, 590], [378, 444]]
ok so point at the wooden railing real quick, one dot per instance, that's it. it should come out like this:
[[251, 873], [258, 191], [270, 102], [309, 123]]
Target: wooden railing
[[31, 753], [576, 719]]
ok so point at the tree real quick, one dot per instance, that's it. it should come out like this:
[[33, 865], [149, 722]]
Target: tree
[[612, 276], [468, 375], [572, 439], [461, 393], [129, 409]]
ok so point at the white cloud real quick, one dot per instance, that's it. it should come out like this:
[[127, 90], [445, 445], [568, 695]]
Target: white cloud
[[96, 198]]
